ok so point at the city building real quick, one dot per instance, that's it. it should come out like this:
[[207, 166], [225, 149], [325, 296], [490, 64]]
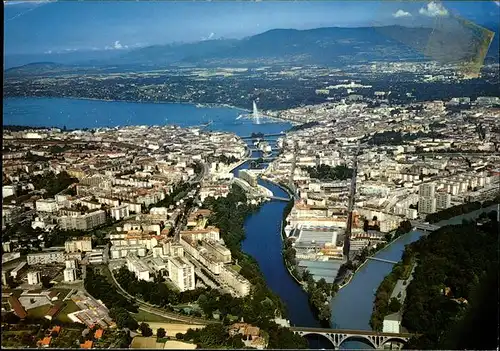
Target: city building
[[34, 278], [69, 275], [82, 244], [120, 212], [85, 221], [392, 323], [138, 267], [8, 190], [248, 177], [426, 198], [181, 273], [236, 281], [20, 267], [121, 251], [71, 264], [96, 256], [46, 205], [17, 307], [443, 200], [426, 205], [46, 257]]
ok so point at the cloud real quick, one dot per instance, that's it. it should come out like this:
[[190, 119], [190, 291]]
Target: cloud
[[401, 13], [433, 9], [27, 2], [116, 46]]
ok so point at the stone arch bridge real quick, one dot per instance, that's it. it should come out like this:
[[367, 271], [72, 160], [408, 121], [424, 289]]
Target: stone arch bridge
[[338, 336]]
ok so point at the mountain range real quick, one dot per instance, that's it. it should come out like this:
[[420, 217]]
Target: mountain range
[[332, 46]]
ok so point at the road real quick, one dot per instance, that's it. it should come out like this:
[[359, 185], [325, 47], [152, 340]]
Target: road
[[147, 307]]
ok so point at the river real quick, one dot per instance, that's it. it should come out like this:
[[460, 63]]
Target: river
[[352, 306]]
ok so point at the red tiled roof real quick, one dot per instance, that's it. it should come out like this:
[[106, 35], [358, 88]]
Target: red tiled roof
[[87, 344], [46, 341], [17, 307], [98, 333]]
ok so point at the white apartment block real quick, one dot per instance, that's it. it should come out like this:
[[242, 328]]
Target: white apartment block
[[120, 212], [133, 207], [69, 275], [83, 222], [118, 251], [145, 240], [181, 273], [426, 205], [222, 253], [96, 256], [236, 281], [71, 264], [427, 190], [138, 267], [108, 201], [8, 190], [34, 278], [443, 200], [17, 270], [46, 257], [46, 205], [83, 244]]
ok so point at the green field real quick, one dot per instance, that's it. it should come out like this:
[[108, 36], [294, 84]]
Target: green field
[[143, 316], [236, 268], [69, 308], [38, 312], [62, 292]]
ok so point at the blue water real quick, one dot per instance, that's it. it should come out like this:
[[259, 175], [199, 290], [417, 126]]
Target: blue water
[[76, 113], [264, 243]]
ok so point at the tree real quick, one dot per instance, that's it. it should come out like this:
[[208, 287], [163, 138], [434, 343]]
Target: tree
[[179, 336], [394, 305], [161, 333], [145, 329], [46, 282]]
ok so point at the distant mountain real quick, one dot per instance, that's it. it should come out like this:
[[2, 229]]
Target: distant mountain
[[451, 41], [326, 46]]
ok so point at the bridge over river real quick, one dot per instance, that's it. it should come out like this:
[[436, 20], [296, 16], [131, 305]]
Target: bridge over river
[[338, 336]]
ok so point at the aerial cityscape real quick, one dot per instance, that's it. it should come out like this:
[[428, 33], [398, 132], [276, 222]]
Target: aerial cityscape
[[327, 177]]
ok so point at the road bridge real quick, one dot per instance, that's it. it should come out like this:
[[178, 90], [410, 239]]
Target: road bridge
[[425, 226], [262, 136], [381, 260], [279, 198], [261, 158], [338, 336]]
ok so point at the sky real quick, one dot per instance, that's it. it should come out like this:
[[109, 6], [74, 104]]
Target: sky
[[35, 27]]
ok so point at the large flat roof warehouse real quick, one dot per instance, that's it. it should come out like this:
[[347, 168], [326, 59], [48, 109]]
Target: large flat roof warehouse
[[318, 235]]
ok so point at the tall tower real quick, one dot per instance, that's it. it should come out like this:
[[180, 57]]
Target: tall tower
[[352, 193]]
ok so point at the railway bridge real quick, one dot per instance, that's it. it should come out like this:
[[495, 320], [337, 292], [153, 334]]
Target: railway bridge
[[338, 336]]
